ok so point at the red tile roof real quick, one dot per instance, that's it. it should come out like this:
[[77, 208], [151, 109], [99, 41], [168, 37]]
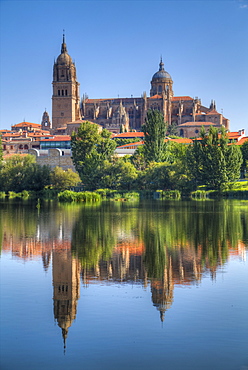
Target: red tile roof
[[242, 141], [58, 138], [198, 123], [22, 124], [128, 135], [213, 112], [131, 144], [182, 141], [176, 98], [155, 97], [179, 141]]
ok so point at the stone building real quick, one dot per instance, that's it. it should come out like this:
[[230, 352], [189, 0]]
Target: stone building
[[118, 114], [53, 158], [65, 99]]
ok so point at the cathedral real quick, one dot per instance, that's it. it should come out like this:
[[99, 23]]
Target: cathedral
[[124, 114]]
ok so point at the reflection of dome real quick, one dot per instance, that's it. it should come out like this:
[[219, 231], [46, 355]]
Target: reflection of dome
[[161, 74]]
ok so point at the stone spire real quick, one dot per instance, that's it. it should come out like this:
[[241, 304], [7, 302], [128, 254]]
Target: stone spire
[[63, 46], [161, 64]]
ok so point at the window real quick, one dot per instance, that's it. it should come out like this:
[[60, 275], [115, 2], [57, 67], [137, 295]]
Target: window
[[62, 92], [66, 92], [196, 131], [58, 92]]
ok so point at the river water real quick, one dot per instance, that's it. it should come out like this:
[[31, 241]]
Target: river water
[[122, 285]]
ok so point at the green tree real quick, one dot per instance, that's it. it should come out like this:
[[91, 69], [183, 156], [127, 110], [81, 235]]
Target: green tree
[[138, 158], [154, 130], [22, 173], [1, 150], [212, 162], [172, 129], [244, 150], [118, 174], [157, 176], [90, 148], [63, 180]]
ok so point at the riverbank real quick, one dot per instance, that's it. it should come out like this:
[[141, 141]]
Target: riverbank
[[237, 190]]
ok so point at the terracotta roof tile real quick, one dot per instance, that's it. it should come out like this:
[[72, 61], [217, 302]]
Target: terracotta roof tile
[[58, 138], [177, 98], [198, 123], [213, 112], [128, 135], [155, 97], [22, 124], [242, 141]]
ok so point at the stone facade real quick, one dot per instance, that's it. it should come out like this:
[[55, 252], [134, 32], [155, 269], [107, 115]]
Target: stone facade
[[65, 99], [54, 157], [123, 114]]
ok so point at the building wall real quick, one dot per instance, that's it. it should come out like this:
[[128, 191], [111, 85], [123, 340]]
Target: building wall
[[53, 158]]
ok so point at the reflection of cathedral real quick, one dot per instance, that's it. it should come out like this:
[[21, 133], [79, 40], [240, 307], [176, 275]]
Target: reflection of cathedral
[[66, 289], [128, 113]]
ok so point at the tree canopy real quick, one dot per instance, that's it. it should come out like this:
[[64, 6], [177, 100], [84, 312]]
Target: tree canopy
[[154, 130], [212, 161], [90, 148]]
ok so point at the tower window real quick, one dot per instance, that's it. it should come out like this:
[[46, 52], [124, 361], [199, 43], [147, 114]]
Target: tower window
[[62, 92], [66, 92], [58, 92]]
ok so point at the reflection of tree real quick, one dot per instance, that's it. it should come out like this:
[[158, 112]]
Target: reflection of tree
[[93, 235]]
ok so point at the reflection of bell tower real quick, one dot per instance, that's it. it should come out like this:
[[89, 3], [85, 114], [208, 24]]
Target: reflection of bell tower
[[66, 289], [162, 291]]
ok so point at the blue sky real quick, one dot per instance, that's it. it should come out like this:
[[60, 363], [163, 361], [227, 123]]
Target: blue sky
[[117, 45]]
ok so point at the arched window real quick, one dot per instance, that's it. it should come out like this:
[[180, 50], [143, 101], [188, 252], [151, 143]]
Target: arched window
[[65, 92], [181, 132], [26, 146], [160, 89], [21, 146], [58, 92], [62, 92]]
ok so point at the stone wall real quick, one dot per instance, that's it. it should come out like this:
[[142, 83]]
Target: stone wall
[[54, 157]]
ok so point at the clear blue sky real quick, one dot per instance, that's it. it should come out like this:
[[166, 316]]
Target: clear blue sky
[[117, 46]]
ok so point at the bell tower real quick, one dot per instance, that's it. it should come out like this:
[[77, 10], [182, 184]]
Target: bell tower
[[65, 99]]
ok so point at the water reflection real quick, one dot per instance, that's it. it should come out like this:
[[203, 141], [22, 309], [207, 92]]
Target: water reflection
[[66, 289], [155, 244]]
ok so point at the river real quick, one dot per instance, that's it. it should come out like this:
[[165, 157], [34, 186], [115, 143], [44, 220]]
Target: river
[[124, 285]]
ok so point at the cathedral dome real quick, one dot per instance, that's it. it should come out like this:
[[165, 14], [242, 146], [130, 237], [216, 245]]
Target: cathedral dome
[[64, 58], [161, 74]]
